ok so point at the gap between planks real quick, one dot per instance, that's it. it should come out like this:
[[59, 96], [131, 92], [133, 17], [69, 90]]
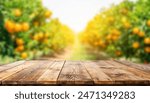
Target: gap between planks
[[21, 72], [74, 73]]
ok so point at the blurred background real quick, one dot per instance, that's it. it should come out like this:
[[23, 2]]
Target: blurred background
[[74, 30]]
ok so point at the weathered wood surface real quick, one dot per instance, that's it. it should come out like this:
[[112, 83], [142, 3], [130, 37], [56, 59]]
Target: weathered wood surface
[[62, 72]]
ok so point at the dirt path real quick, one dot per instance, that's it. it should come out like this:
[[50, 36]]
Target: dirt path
[[66, 54], [76, 52]]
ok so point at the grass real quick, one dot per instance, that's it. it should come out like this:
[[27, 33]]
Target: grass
[[80, 53]]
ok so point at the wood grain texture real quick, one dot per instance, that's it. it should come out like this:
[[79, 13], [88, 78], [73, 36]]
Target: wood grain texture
[[131, 75], [9, 72], [73, 73], [50, 76], [11, 65], [135, 70], [61, 72], [98, 76], [19, 72], [135, 65], [28, 74]]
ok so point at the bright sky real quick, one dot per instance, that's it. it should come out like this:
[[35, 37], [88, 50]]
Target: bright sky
[[77, 13]]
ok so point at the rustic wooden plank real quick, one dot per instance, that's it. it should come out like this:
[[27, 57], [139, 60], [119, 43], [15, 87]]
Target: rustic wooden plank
[[14, 70], [138, 72], [26, 69], [97, 74], [82, 77], [121, 75], [32, 77], [11, 65], [26, 72], [103, 64], [50, 76], [104, 72], [126, 75], [135, 65], [73, 73]]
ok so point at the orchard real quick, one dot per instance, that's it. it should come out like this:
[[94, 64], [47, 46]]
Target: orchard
[[27, 31], [121, 31]]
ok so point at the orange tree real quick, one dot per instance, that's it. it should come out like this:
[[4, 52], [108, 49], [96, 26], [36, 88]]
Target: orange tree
[[26, 29], [20, 19], [57, 37], [105, 28], [121, 31], [137, 38]]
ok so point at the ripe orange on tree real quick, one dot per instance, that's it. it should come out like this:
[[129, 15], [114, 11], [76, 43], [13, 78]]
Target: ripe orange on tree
[[24, 55], [136, 30], [118, 53], [19, 41], [48, 14], [20, 48], [147, 49], [147, 40], [148, 23], [25, 26], [141, 34], [9, 25], [17, 27], [127, 25], [136, 45], [35, 37], [17, 12], [40, 35]]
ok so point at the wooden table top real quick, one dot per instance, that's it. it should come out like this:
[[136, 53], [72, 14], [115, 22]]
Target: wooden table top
[[62, 72]]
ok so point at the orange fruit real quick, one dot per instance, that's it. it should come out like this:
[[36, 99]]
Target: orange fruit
[[136, 30], [46, 41], [127, 25], [9, 25], [17, 12], [24, 55], [35, 37], [40, 35], [147, 40], [148, 23], [48, 14], [20, 48], [109, 37], [17, 27], [96, 43], [147, 49], [115, 37], [116, 32], [19, 41], [102, 44], [141, 34], [136, 45], [118, 53], [25, 26]]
